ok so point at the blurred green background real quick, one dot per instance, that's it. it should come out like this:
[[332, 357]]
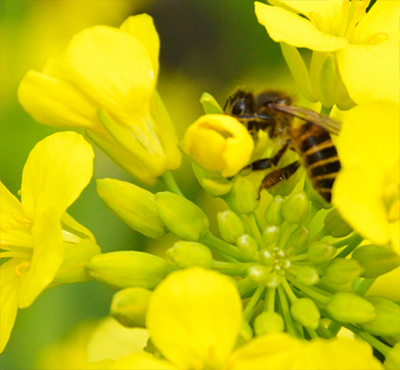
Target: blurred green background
[[206, 45]]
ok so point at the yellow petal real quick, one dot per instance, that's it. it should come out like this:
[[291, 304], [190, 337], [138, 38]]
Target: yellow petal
[[142, 27], [113, 68], [285, 26], [370, 136], [55, 102], [194, 318], [276, 351], [370, 72], [337, 353], [9, 288], [48, 251], [394, 230], [357, 193], [141, 361], [57, 170]]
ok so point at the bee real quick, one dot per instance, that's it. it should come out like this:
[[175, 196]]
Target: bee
[[302, 130]]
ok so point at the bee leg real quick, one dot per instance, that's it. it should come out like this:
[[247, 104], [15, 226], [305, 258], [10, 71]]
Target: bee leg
[[278, 175], [265, 163]]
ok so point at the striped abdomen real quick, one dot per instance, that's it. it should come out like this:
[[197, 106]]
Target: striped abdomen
[[319, 156]]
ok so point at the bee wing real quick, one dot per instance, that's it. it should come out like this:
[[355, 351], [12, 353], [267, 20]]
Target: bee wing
[[310, 116]]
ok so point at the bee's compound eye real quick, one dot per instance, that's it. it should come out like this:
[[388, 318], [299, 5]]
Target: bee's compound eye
[[239, 107]]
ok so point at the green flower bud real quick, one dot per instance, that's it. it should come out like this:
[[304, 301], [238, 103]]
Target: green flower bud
[[350, 308], [73, 268], [190, 254], [258, 274], [335, 224], [268, 322], [132, 205], [267, 258], [296, 207], [273, 280], [387, 320], [129, 306], [376, 260], [273, 213], [271, 235], [320, 253], [243, 197], [306, 313], [342, 271], [210, 105], [248, 247], [307, 275], [299, 239], [246, 332], [230, 226], [128, 269], [392, 361], [181, 216]]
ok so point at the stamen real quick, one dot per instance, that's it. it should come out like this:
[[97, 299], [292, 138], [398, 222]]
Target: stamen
[[316, 20], [70, 238], [20, 219], [22, 268], [378, 38]]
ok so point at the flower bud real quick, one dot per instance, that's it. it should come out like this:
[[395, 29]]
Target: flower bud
[[243, 197], [342, 271], [350, 308], [181, 216], [335, 224], [376, 260], [132, 205], [387, 320], [271, 235], [320, 253], [299, 239], [268, 322], [273, 280], [128, 269], [258, 274], [190, 254], [307, 275], [296, 207], [273, 213], [246, 332], [392, 360], [129, 306], [306, 313], [267, 258], [73, 268], [230, 226], [247, 246], [218, 142], [210, 105]]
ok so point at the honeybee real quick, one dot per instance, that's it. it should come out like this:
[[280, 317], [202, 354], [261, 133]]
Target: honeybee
[[303, 130]]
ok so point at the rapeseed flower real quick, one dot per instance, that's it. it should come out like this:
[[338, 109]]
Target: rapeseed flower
[[366, 192], [32, 237], [106, 83], [355, 52]]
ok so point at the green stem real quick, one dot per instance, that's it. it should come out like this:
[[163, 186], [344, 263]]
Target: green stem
[[255, 230], [220, 246], [363, 286], [286, 313], [377, 344], [313, 211], [308, 291], [169, 181], [324, 332], [246, 288], [357, 239], [289, 291], [233, 269], [334, 327], [300, 257], [269, 300], [326, 111], [313, 334], [252, 305], [287, 233], [319, 235], [344, 242]]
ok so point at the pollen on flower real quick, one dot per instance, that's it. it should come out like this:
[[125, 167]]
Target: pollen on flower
[[22, 268]]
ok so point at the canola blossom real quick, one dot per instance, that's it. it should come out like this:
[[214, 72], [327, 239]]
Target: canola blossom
[[355, 52], [106, 83], [56, 172], [277, 277]]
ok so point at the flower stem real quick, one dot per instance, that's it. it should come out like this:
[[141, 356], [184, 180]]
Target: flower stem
[[234, 269], [361, 287], [169, 181], [291, 329], [252, 305], [356, 240], [308, 291], [255, 230], [269, 300], [326, 111], [220, 246]]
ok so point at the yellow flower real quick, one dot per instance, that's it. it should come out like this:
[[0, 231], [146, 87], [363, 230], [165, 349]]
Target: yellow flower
[[106, 83], [218, 143], [366, 192], [194, 318], [57, 170], [350, 47]]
